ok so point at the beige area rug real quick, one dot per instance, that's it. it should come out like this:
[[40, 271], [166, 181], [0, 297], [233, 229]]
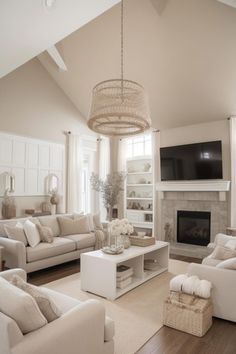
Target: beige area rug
[[137, 314]]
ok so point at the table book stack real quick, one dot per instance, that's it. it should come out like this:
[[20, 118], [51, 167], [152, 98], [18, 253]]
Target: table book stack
[[123, 276]]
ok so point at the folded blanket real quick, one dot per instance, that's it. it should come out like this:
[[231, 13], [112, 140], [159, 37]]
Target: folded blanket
[[191, 285], [177, 282]]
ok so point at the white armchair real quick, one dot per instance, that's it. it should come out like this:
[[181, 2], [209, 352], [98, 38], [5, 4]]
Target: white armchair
[[82, 328], [223, 281]]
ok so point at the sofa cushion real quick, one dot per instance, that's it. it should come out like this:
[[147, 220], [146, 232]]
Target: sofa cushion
[[228, 264], [16, 233], [97, 222], [222, 253], [11, 222], [45, 232], [211, 261], [21, 307], [50, 221], [46, 250], [32, 233], [70, 226], [46, 305], [83, 240]]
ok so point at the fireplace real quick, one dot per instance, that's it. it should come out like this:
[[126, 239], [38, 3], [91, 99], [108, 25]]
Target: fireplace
[[193, 227]]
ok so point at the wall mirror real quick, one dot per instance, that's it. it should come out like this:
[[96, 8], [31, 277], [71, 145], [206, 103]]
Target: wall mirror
[[7, 183], [51, 183]]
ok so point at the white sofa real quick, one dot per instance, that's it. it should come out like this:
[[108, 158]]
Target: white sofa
[[223, 281], [44, 255], [83, 328]]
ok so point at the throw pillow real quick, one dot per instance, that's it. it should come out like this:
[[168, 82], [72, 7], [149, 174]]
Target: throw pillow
[[97, 222], [21, 307], [69, 226], [231, 244], [227, 264], [45, 232], [32, 233], [44, 302], [16, 233], [223, 253]]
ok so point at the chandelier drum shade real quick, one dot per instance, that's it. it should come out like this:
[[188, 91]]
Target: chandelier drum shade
[[119, 107]]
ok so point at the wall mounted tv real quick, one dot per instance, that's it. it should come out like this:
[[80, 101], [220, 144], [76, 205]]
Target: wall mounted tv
[[200, 161]]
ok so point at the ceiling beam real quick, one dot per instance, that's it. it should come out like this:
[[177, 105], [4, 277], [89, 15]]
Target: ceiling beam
[[56, 57]]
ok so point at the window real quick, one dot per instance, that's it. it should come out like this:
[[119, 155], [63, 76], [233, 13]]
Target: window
[[139, 146]]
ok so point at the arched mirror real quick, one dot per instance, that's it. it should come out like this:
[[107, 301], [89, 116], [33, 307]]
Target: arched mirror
[[51, 183], [7, 183]]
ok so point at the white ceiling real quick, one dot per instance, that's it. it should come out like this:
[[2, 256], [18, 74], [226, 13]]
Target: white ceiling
[[28, 27]]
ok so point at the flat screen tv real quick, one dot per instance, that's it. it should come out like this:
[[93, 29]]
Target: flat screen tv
[[200, 161]]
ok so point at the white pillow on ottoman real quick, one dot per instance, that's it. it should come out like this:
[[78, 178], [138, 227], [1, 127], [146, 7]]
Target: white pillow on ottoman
[[32, 233], [21, 307]]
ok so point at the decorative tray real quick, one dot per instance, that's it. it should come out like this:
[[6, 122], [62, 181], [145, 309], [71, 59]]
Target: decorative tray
[[142, 241], [113, 250]]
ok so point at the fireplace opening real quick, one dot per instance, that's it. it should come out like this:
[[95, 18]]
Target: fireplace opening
[[193, 227]]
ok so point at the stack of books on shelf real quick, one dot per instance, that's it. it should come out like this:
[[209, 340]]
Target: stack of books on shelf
[[123, 276], [151, 264]]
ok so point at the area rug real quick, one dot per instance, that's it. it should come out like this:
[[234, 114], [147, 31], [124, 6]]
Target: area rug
[[137, 314]]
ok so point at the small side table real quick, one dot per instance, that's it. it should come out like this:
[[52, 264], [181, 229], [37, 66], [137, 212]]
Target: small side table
[[231, 231], [1, 260]]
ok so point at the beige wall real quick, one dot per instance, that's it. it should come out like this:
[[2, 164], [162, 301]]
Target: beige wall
[[218, 130], [32, 105]]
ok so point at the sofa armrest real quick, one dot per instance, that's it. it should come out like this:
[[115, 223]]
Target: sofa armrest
[[14, 253], [223, 291], [8, 274], [78, 331]]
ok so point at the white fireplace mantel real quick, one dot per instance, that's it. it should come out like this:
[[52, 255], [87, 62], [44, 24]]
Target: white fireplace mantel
[[194, 186]]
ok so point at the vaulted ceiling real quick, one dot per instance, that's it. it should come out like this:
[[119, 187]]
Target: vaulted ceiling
[[182, 51]]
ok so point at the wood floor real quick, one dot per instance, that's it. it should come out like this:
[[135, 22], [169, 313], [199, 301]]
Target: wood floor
[[220, 339]]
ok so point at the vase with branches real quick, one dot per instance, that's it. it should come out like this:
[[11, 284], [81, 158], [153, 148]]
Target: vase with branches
[[110, 189]]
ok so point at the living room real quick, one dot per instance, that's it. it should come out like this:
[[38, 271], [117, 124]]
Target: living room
[[120, 232]]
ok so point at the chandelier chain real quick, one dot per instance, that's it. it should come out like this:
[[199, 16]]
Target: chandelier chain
[[122, 48]]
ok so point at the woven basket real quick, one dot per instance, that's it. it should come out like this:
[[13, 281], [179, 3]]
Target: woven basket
[[142, 242], [193, 316]]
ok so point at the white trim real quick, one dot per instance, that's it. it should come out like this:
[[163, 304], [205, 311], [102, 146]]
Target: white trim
[[194, 186]]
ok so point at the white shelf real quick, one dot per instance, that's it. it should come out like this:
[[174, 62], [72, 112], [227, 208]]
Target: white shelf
[[138, 198], [143, 224], [140, 211], [138, 173], [140, 185]]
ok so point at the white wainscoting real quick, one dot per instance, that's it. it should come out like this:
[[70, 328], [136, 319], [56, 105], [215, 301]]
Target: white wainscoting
[[30, 161]]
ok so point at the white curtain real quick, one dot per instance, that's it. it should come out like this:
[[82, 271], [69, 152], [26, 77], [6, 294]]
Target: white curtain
[[233, 170], [74, 177], [104, 169], [122, 152]]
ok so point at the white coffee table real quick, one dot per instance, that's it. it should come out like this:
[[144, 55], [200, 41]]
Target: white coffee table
[[98, 270]]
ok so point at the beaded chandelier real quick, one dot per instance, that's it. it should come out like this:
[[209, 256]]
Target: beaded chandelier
[[119, 107]]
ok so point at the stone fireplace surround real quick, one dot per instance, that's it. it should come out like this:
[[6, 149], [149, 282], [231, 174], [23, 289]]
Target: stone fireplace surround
[[210, 201]]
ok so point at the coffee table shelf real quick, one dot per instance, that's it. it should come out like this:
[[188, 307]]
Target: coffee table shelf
[[98, 270]]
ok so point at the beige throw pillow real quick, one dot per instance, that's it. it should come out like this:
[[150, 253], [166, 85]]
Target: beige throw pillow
[[223, 253], [45, 232], [44, 302], [97, 222], [69, 226], [16, 233], [21, 307]]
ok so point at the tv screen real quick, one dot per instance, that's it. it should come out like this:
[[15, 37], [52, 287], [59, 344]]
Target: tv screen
[[192, 162]]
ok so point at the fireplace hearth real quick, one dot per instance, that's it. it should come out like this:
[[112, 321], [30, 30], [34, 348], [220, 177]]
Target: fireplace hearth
[[193, 227]]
